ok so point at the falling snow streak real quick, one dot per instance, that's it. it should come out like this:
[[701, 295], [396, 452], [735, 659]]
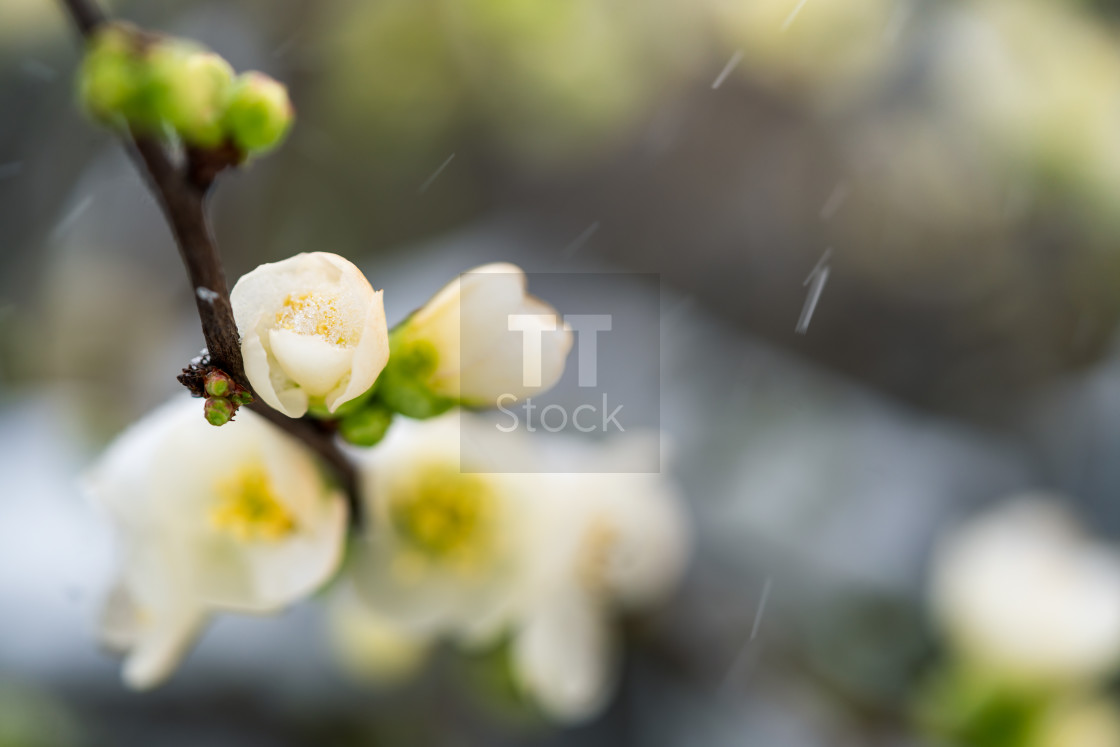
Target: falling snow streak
[[816, 280], [739, 665], [70, 218], [578, 242], [433, 177], [731, 64], [793, 14], [761, 607], [835, 200]]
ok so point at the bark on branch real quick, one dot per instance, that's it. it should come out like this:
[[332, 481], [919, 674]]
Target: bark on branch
[[181, 193]]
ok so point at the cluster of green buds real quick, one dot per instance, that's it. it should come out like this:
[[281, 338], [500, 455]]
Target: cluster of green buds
[[223, 397], [160, 85]]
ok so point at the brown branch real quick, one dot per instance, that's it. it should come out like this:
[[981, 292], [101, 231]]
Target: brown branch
[[181, 193]]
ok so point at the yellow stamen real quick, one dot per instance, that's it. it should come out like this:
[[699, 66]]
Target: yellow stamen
[[311, 314], [444, 515], [250, 509]]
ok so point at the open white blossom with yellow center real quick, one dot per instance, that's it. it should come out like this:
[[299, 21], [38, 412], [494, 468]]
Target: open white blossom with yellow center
[[312, 330], [547, 558], [468, 343], [1026, 598], [237, 518], [444, 547]]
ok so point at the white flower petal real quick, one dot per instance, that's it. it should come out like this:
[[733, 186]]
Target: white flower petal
[[565, 658], [370, 356], [480, 358], [1023, 594], [314, 364], [238, 517]]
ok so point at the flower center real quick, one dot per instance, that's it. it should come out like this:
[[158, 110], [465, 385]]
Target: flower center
[[444, 514], [320, 315], [250, 509]]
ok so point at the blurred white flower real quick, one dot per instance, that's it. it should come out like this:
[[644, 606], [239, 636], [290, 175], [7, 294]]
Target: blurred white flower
[[1025, 597], [313, 331], [547, 557], [477, 336], [444, 546], [615, 541], [231, 518], [1080, 722], [371, 647]]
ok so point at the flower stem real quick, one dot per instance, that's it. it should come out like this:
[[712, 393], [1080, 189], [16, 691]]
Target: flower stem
[[182, 197]]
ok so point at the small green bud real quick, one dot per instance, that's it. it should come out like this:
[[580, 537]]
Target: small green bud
[[367, 426], [241, 397], [111, 78], [187, 88], [417, 359], [409, 397], [258, 113], [218, 410], [402, 386], [218, 384]]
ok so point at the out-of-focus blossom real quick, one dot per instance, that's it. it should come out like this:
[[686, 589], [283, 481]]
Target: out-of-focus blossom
[[447, 537], [545, 558], [313, 332], [476, 339], [1080, 722], [237, 518], [1041, 83], [809, 43], [1025, 598], [371, 647], [617, 541]]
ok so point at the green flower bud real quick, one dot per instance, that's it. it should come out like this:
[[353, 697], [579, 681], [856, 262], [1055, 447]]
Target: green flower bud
[[218, 410], [218, 384], [187, 88], [111, 78], [409, 397], [241, 397], [367, 426], [401, 386], [258, 113]]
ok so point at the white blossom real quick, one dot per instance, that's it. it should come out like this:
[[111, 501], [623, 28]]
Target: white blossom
[[444, 546], [313, 331], [458, 548], [1023, 595], [478, 355], [616, 541], [232, 518]]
